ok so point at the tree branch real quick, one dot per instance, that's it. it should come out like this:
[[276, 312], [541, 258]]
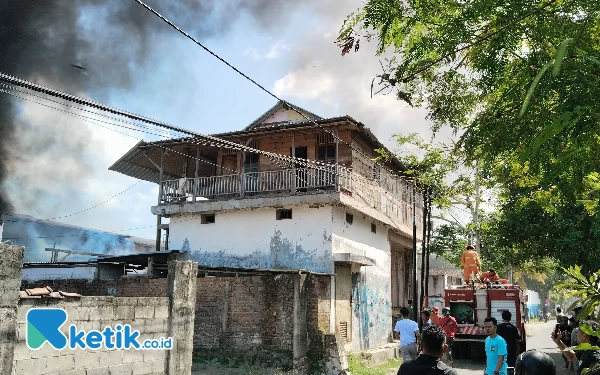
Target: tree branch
[[482, 39]]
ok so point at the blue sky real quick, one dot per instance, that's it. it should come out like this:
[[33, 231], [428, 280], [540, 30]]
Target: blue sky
[[181, 84]]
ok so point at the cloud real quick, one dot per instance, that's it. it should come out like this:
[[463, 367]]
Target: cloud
[[253, 54], [318, 74], [275, 52], [307, 84]]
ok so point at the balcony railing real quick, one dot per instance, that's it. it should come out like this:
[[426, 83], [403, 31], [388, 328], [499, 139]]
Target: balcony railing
[[391, 196]]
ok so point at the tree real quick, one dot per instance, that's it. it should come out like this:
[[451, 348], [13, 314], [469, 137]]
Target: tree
[[449, 242], [440, 167], [521, 79], [586, 289], [443, 168]]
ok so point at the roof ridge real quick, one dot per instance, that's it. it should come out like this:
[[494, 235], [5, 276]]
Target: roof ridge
[[280, 104]]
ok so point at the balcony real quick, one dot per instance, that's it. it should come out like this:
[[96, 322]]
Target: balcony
[[389, 196]]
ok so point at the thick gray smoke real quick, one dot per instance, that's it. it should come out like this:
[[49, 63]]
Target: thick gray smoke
[[36, 236], [39, 40]]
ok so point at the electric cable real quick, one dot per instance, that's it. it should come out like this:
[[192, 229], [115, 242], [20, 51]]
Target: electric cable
[[393, 173], [201, 138], [69, 97]]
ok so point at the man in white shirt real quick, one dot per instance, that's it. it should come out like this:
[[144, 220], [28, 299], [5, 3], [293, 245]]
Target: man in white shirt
[[410, 338]]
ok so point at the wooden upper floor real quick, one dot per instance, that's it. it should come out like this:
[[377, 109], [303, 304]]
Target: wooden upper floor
[[329, 154]]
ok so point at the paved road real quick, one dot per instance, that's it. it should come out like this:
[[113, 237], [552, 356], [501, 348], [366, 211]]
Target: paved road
[[538, 337]]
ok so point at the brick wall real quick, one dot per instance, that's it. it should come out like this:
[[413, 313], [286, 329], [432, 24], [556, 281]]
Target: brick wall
[[319, 305], [257, 312], [317, 318], [149, 315], [11, 262], [127, 286], [244, 312]]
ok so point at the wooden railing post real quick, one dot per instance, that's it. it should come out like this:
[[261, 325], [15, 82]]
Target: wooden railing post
[[293, 163], [242, 184]]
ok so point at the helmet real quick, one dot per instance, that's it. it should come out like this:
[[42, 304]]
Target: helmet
[[533, 362], [445, 311]]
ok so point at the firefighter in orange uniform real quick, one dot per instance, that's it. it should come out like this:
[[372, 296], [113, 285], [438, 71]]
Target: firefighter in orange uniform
[[470, 262], [489, 276], [435, 316]]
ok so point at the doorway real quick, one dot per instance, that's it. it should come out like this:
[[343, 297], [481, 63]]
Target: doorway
[[343, 301], [229, 164]]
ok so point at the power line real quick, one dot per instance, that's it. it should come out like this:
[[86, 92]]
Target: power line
[[16, 89], [209, 139], [201, 138], [78, 212], [95, 120], [260, 86]]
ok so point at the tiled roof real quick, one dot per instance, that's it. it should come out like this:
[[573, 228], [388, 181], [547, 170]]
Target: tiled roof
[[46, 292]]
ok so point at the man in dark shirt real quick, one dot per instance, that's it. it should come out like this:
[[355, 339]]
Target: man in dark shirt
[[428, 362], [510, 334], [587, 352]]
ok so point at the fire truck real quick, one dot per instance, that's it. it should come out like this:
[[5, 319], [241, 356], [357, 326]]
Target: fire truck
[[471, 303]]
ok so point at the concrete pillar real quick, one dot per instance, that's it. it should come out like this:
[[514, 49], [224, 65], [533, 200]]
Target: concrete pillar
[[300, 335], [11, 266], [181, 289]]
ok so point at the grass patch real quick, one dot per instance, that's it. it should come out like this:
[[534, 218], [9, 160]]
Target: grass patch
[[534, 320], [358, 367], [248, 359]]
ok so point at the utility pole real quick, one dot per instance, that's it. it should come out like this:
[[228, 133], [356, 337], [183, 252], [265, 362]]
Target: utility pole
[[160, 196], [424, 251], [414, 257], [476, 238]]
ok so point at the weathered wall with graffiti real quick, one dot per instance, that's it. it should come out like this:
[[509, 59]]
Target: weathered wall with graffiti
[[256, 239], [371, 292]]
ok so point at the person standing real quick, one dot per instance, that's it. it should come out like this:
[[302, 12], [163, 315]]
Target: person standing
[[426, 319], [575, 326], [410, 310], [435, 316], [448, 324], [559, 314], [408, 332], [565, 330], [428, 362], [510, 334], [588, 353], [471, 263], [495, 349]]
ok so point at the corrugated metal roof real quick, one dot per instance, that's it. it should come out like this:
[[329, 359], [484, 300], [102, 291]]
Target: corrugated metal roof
[[128, 164], [136, 258]]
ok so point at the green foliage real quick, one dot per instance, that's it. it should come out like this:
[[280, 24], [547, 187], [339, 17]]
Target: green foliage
[[545, 282], [585, 288], [432, 166], [482, 68], [449, 241]]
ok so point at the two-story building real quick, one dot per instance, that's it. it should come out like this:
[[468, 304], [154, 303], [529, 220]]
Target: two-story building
[[332, 211]]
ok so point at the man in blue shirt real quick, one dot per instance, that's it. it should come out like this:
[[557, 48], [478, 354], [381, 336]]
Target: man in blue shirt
[[495, 349], [408, 330]]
